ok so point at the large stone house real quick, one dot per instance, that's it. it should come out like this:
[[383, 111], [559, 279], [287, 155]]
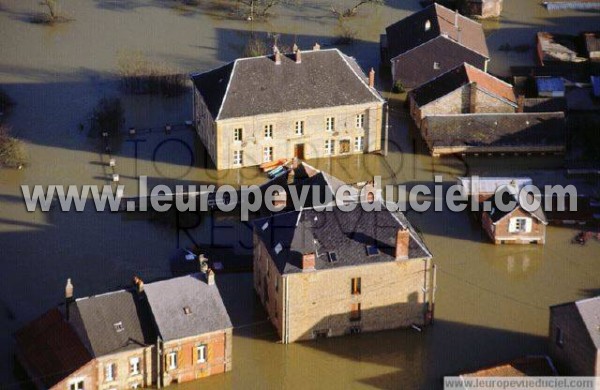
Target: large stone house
[[330, 273], [462, 90], [130, 338], [516, 224], [574, 337], [431, 42], [310, 104]]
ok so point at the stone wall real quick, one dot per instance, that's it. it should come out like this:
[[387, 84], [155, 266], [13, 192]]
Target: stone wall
[[123, 378]]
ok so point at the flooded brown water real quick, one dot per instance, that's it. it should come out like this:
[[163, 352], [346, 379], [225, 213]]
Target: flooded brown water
[[492, 302]]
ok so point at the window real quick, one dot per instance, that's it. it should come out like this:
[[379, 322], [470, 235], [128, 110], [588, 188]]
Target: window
[[76, 384], [329, 147], [268, 131], [330, 123], [109, 372], [201, 353], [172, 360], [134, 366], [299, 127], [359, 144], [360, 121], [436, 65], [238, 157], [237, 134], [355, 286], [559, 337], [519, 225], [355, 312], [268, 154]]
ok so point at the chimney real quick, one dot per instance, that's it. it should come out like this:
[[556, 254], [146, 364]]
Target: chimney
[[456, 19], [316, 47], [473, 98], [139, 283], [298, 57], [294, 48], [372, 78], [210, 277], [308, 261], [520, 103], [68, 297], [277, 55], [402, 241]]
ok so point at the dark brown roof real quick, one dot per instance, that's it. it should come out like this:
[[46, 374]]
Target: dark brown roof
[[51, 348], [527, 366], [255, 86], [456, 78], [495, 131], [410, 32]]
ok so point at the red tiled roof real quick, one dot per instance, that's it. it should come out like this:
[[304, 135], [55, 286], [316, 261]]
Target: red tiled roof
[[490, 83], [51, 348]]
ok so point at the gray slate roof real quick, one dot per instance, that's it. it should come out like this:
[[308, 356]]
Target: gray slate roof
[[255, 86], [345, 233], [495, 131], [95, 317], [589, 311], [168, 298]]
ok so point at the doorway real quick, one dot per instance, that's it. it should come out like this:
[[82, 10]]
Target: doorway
[[299, 151]]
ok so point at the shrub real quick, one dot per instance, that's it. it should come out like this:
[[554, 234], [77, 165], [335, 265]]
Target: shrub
[[12, 154], [108, 116], [398, 87]]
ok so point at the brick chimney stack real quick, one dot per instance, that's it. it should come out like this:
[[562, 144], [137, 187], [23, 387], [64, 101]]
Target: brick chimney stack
[[139, 284], [316, 47], [456, 19], [308, 261], [277, 55], [210, 277], [402, 242], [68, 297], [473, 98], [298, 56], [294, 48], [372, 78], [520, 103]]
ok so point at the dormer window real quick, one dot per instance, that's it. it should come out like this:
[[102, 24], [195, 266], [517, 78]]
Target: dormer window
[[187, 310], [436, 65], [119, 327], [428, 25]]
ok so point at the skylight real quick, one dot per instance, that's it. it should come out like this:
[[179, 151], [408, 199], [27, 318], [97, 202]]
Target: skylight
[[119, 327], [332, 257], [187, 310], [278, 248], [265, 226], [372, 250]]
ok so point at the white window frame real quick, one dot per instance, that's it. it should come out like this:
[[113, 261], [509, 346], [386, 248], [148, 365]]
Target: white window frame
[[109, 369], [238, 157], [134, 362], [359, 143], [520, 225], [360, 121], [267, 154], [238, 134], [330, 124], [73, 384], [268, 131], [436, 65], [299, 127], [172, 360], [329, 147], [201, 353]]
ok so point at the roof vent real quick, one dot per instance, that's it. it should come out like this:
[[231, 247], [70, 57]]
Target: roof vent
[[119, 327], [278, 248], [187, 310]]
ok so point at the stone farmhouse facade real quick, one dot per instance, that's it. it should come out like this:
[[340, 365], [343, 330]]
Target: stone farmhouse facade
[[463, 90], [574, 339], [430, 43], [324, 274], [310, 104], [152, 335]]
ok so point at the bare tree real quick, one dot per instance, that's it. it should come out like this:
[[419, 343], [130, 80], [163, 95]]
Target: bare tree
[[52, 7], [259, 7], [352, 11]]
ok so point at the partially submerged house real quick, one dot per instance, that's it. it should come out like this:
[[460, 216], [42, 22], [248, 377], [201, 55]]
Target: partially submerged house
[[482, 8], [485, 187], [155, 334], [330, 273], [516, 224], [462, 90], [431, 42], [306, 104], [574, 338], [495, 133], [557, 48], [554, 5]]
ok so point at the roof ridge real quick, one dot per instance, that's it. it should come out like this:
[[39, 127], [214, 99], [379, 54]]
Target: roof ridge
[[227, 89], [371, 89]]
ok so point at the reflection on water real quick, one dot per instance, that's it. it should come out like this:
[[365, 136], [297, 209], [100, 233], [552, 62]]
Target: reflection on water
[[492, 301]]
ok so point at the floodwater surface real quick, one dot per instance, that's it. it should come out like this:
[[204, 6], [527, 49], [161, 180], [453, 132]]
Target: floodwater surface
[[492, 302]]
